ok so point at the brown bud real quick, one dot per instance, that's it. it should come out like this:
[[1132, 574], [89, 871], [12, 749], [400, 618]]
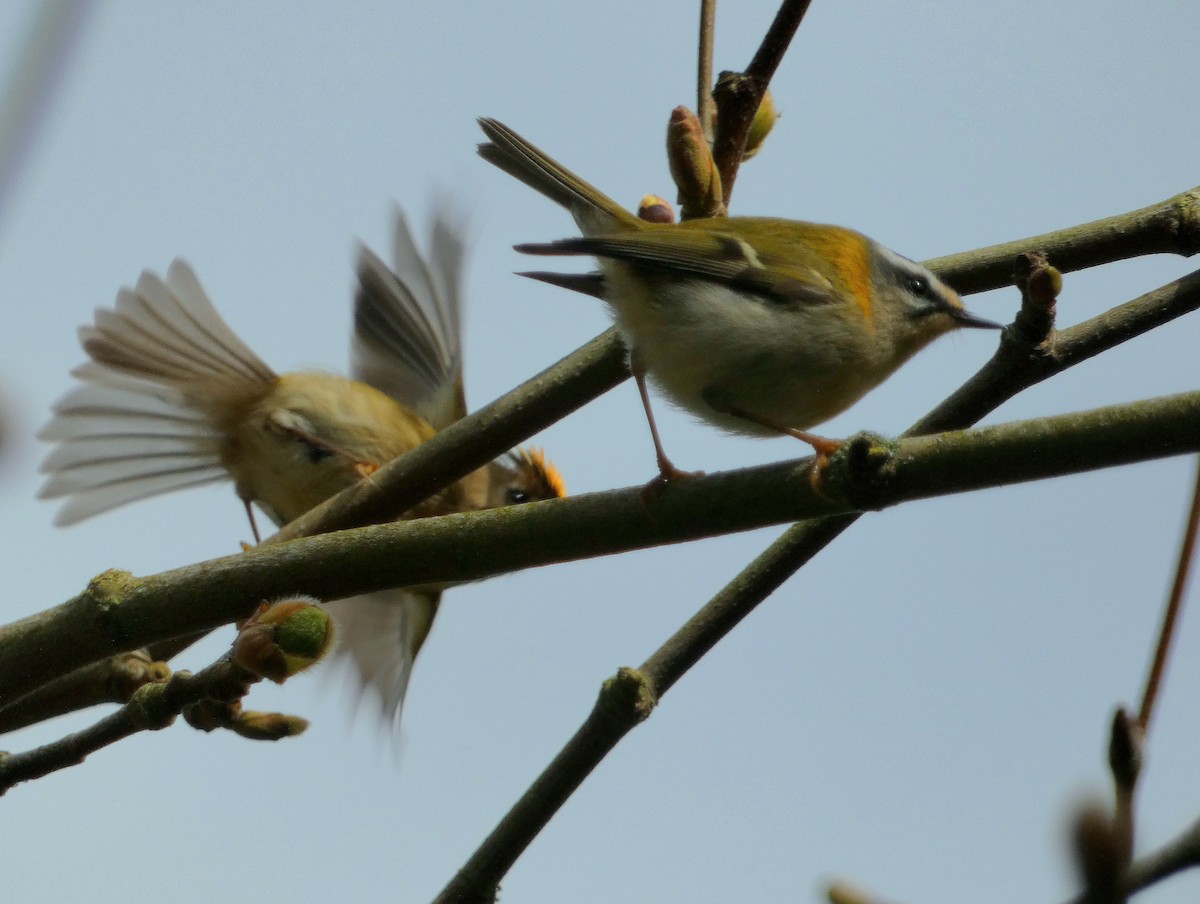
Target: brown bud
[[259, 726], [692, 167]]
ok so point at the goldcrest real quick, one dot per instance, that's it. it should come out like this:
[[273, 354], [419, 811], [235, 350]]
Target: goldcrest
[[759, 326], [172, 398]]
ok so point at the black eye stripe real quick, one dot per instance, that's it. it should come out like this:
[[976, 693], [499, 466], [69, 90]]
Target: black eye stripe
[[314, 451]]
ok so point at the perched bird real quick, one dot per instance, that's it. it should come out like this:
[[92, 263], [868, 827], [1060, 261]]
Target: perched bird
[[759, 326], [172, 398]]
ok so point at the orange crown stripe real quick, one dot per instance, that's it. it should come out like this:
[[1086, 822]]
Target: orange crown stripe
[[850, 254], [549, 475]]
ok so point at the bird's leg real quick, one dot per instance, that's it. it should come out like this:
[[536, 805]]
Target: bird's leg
[[253, 526], [667, 471], [823, 446]]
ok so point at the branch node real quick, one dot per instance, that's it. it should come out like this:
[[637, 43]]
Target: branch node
[[1102, 851], [1031, 337], [858, 470], [130, 671], [150, 709], [737, 96], [1187, 223], [628, 697], [105, 592]]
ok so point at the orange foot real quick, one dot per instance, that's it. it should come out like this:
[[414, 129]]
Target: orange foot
[[824, 449]]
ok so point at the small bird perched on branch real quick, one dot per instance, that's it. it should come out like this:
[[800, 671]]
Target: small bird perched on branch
[[757, 325], [172, 398]]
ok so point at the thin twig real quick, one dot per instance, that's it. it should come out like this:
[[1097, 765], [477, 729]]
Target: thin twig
[[1179, 854], [278, 641], [114, 679], [1174, 857], [739, 94], [1168, 227], [1187, 553], [704, 70], [153, 707]]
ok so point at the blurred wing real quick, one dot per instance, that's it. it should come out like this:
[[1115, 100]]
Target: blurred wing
[[143, 421], [408, 322], [381, 634], [692, 254]]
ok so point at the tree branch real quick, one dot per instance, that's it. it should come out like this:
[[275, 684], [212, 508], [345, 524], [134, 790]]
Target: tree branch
[[704, 67], [1168, 227], [278, 641], [119, 611], [112, 680]]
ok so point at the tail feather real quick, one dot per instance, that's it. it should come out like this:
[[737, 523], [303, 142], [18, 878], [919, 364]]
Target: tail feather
[[98, 410], [142, 423], [118, 443], [585, 283], [109, 488], [593, 210], [169, 332]]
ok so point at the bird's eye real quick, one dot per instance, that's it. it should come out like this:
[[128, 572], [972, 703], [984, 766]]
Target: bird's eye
[[918, 286], [313, 451], [516, 496]]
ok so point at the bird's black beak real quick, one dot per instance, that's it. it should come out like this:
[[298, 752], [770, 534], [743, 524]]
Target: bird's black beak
[[969, 320]]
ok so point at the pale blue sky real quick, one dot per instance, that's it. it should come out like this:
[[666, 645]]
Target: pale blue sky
[[916, 710]]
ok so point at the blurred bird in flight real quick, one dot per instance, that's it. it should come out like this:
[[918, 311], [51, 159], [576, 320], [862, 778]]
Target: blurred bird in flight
[[171, 398]]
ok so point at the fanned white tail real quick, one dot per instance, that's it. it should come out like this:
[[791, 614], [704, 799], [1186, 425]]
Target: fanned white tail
[[144, 421]]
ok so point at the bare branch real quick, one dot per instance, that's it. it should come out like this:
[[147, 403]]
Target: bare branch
[[123, 611], [1187, 552], [278, 641], [1168, 227], [1174, 857], [739, 94], [112, 680], [704, 69]]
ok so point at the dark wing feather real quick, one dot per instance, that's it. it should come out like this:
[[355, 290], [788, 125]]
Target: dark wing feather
[[408, 322], [690, 254]]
